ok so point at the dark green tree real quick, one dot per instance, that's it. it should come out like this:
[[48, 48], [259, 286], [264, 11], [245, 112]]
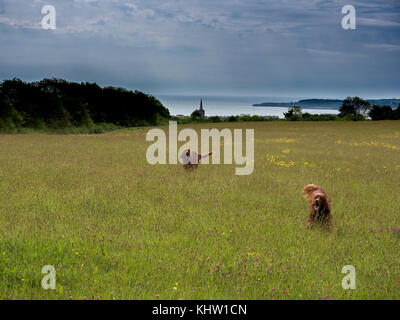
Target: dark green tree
[[396, 113], [381, 113], [294, 113], [195, 115], [59, 104], [354, 107]]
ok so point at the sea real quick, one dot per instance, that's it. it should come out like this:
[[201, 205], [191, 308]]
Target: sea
[[230, 105]]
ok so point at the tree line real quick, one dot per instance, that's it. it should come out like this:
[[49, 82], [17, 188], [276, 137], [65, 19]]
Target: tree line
[[55, 103], [353, 108]]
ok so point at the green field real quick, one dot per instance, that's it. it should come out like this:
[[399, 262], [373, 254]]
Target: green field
[[115, 227]]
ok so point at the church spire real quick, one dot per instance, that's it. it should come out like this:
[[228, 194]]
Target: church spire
[[201, 110]]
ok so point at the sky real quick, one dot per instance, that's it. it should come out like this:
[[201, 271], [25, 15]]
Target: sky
[[216, 47]]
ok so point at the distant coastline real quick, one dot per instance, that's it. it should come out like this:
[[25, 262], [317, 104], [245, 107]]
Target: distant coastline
[[332, 104], [225, 106]]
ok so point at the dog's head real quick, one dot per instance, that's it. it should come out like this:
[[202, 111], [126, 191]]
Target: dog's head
[[189, 157], [319, 202], [309, 189]]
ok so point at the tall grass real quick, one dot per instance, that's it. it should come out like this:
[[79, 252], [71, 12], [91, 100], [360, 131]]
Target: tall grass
[[115, 227]]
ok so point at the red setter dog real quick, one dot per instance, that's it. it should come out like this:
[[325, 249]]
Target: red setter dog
[[319, 205], [191, 159]]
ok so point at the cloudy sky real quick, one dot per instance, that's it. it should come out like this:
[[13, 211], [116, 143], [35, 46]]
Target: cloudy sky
[[229, 47]]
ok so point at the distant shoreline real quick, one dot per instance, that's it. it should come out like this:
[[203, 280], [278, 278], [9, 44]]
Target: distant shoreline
[[331, 104]]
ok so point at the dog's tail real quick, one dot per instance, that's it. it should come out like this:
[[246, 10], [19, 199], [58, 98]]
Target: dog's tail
[[309, 189], [202, 156]]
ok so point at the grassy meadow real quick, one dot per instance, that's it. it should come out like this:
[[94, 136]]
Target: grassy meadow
[[115, 227]]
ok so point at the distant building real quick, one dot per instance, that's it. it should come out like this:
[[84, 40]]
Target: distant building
[[201, 110]]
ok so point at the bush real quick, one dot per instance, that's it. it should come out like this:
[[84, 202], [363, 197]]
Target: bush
[[233, 118], [215, 119], [7, 125], [294, 113], [384, 113]]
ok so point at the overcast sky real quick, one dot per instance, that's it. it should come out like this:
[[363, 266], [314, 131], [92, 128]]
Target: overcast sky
[[235, 47]]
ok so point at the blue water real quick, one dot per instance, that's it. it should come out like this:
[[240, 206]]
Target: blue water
[[226, 106]]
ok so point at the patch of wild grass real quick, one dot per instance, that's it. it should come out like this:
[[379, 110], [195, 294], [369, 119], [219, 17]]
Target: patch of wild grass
[[115, 227]]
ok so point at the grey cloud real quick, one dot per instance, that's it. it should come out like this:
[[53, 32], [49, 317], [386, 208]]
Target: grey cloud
[[193, 45], [384, 46], [377, 23]]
